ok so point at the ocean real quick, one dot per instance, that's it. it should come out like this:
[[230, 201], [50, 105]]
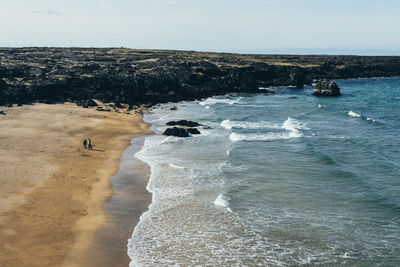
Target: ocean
[[276, 180]]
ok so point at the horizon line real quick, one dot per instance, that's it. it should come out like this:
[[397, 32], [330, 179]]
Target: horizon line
[[301, 51]]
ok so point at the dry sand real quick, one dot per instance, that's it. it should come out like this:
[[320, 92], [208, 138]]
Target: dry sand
[[52, 190]]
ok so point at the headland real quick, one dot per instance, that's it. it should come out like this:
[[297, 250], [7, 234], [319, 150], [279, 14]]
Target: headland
[[154, 76]]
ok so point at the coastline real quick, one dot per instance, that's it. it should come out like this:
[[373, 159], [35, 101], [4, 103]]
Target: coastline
[[129, 201], [109, 216], [53, 191], [167, 75]]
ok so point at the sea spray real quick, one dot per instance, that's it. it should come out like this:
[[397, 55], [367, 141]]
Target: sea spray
[[214, 100]]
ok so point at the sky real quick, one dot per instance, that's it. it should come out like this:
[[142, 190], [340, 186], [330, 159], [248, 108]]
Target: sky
[[243, 26]]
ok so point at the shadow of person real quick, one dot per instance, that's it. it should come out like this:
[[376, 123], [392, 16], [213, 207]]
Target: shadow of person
[[98, 150]]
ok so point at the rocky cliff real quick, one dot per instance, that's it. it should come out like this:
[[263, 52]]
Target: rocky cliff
[[152, 76]]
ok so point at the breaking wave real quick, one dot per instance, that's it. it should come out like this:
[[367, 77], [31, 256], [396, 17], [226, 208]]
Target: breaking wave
[[353, 114], [212, 101], [292, 126], [227, 124]]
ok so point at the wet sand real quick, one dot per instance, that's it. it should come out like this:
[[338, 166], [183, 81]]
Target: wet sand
[[52, 189], [130, 199]]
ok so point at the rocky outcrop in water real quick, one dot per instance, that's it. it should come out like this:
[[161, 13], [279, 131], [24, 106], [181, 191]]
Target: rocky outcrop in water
[[181, 132], [184, 123], [326, 88], [153, 76], [193, 130]]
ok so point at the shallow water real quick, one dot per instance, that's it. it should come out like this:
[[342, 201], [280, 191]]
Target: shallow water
[[278, 180]]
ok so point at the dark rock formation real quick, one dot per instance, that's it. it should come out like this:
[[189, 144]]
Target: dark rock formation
[[181, 132], [178, 132], [117, 105], [184, 123], [193, 130], [154, 76], [103, 109], [86, 103], [2, 112], [326, 88]]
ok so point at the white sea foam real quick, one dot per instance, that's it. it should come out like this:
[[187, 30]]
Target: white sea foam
[[176, 166], [371, 120], [295, 134], [227, 124], [353, 114], [212, 101], [294, 126], [346, 256], [319, 106], [164, 117], [291, 125], [235, 137], [177, 210], [221, 201], [168, 139], [252, 106]]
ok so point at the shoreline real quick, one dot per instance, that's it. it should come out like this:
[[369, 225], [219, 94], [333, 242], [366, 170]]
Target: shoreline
[[50, 217], [129, 201]]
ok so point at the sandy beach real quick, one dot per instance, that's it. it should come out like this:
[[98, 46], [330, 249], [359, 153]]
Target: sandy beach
[[129, 201], [52, 189]]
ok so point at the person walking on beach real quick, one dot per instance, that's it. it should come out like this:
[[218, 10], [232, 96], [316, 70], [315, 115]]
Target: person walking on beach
[[84, 143], [90, 144]]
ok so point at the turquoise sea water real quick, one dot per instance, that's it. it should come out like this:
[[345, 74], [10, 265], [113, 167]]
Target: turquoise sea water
[[277, 180]]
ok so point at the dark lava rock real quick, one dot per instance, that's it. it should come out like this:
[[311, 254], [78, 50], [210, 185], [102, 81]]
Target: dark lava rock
[[178, 132], [193, 131], [134, 77], [86, 103], [181, 132], [103, 109], [184, 123], [116, 105], [326, 88], [173, 108], [2, 112]]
